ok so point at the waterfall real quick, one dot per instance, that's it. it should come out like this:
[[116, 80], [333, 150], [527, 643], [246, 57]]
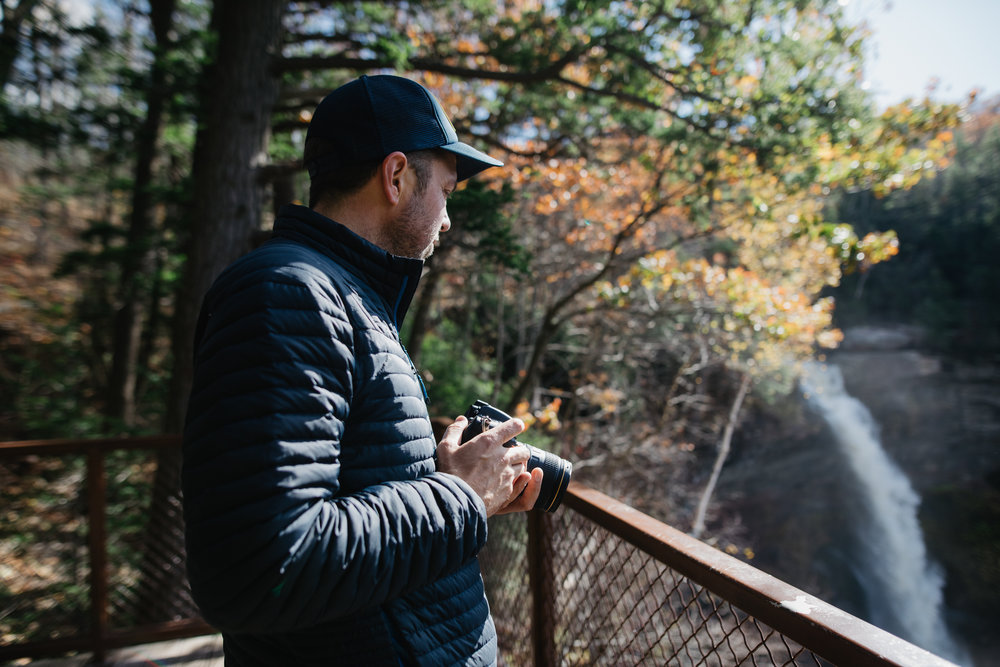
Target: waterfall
[[902, 586]]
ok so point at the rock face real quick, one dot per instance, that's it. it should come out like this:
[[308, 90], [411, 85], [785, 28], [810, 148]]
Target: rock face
[[940, 422], [940, 419]]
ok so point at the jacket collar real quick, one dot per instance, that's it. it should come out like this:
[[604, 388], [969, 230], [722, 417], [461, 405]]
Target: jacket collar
[[394, 278]]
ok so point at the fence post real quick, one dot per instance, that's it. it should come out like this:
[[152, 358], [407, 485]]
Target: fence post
[[97, 534], [541, 582]]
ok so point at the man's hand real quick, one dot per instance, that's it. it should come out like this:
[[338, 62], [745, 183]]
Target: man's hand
[[496, 473]]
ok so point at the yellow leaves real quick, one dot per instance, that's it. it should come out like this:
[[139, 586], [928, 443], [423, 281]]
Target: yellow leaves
[[546, 204], [584, 205], [749, 317], [547, 417], [859, 254], [415, 36], [746, 84], [733, 550], [579, 73], [747, 294], [607, 399], [825, 150], [876, 247], [830, 338], [433, 80]]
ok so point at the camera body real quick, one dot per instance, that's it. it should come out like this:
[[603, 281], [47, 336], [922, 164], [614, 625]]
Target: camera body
[[556, 471]]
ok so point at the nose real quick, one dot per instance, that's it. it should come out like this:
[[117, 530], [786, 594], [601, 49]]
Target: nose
[[445, 222]]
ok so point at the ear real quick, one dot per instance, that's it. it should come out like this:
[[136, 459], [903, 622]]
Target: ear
[[391, 174]]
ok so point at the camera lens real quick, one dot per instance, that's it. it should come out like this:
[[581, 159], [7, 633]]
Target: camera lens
[[556, 473]]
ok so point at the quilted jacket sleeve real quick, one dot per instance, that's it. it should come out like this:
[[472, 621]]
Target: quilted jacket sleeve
[[272, 543]]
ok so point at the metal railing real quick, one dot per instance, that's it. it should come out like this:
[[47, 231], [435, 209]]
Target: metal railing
[[69, 576], [596, 583], [617, 587]]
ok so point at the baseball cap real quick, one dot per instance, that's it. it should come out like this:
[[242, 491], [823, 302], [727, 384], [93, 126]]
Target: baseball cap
[[368, 118]]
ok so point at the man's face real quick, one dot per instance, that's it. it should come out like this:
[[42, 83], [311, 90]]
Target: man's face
[[424, 215]]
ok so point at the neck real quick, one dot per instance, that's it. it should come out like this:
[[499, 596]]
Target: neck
[[357, 213]]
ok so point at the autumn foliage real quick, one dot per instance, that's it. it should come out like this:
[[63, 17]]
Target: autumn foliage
[[658, 233]]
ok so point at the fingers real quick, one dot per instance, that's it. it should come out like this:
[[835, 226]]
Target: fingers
[[496, 473], [453, 434], [527, 487], [498, 432], [505, 431]]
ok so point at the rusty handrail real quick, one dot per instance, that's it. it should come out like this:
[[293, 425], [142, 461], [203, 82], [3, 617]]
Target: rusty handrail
[[59, 446], [816, 625], [820, 627], [102, 637]]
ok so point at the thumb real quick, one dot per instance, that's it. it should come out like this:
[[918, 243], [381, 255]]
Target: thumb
[[453, 434]]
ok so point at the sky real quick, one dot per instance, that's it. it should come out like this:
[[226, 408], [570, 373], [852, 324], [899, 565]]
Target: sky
[[916, 41]]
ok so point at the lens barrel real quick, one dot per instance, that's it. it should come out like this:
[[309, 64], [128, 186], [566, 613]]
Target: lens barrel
[[556, 471]]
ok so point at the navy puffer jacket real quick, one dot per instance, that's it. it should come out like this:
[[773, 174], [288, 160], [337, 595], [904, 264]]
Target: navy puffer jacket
[[318, 531]]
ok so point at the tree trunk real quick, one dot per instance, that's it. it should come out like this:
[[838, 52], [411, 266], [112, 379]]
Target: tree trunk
[[239, 91], [137, 266], [698, 526]]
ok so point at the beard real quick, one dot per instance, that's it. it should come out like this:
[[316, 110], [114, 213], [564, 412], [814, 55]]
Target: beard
[[410, 235]]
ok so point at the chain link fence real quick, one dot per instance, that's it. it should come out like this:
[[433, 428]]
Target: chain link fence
[[91, 546], [595, 583], [599, 583], [615, 604]]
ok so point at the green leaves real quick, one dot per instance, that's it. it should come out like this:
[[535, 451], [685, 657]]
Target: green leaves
[[480, 222]]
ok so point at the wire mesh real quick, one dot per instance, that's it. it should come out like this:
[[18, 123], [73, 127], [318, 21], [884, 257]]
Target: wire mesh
[[504, 563], [145, 540], [599, 598], [45, 583], [614, 604]]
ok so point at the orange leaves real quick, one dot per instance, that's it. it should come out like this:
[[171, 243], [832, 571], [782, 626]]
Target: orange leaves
[[589, 205], [465, 46], [746, 84], [433, 80], [547, 417], [414, 35]]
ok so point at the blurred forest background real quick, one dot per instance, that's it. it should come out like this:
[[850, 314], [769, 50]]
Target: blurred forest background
[[697, 197]]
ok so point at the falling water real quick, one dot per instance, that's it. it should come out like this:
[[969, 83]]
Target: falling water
[[903, 588]]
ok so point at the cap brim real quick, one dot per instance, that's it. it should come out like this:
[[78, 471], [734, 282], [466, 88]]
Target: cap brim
[[470, 161]]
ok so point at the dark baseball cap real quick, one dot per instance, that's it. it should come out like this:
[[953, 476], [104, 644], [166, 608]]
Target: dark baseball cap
[[372, 116]]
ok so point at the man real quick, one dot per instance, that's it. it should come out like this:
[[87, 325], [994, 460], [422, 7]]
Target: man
[[325, 526]]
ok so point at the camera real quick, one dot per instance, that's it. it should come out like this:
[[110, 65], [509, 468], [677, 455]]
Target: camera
[[556, 471]]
